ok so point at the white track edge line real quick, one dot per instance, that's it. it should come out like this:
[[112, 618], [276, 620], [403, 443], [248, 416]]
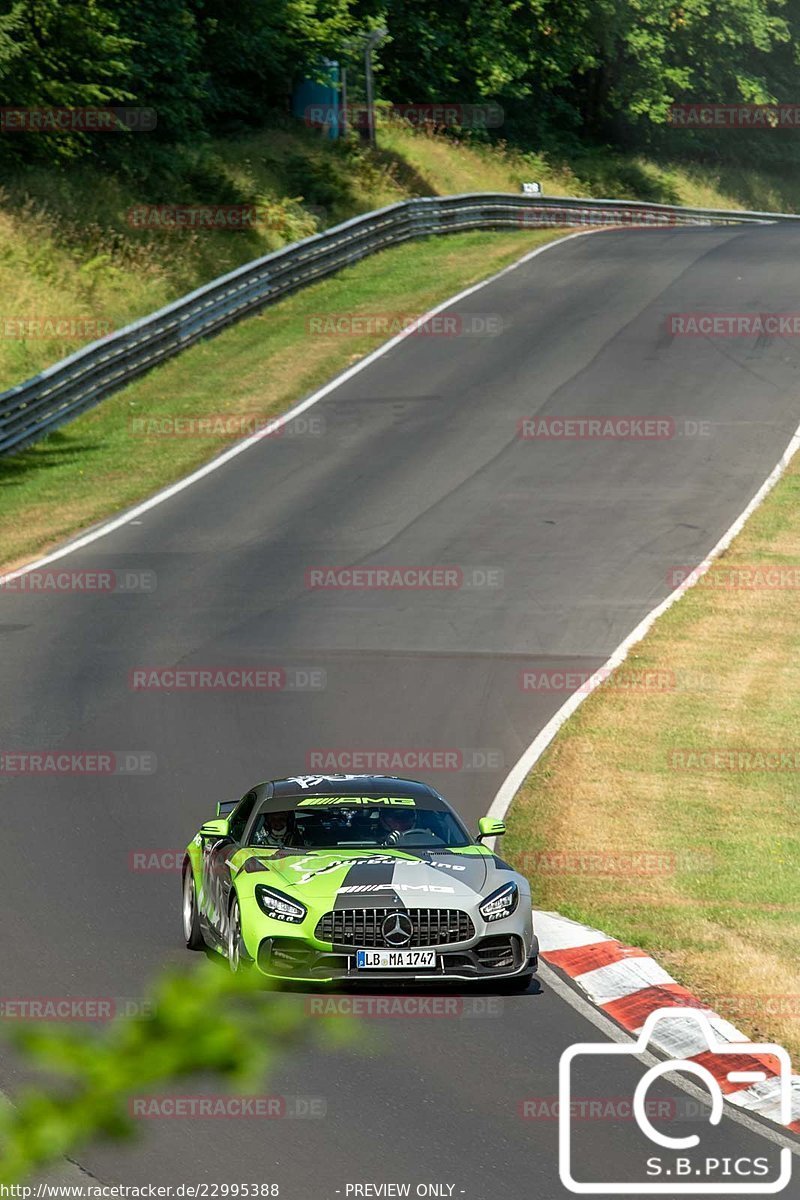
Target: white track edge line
[[518, 773], [594, 1011], [565, 990], [173, 489], [516, 776]]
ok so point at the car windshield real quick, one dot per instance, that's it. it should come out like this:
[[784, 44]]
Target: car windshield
[[359, 827]]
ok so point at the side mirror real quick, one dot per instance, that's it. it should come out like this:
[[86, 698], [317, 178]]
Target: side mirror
[[490, 827], [226, 807], [218, 828]]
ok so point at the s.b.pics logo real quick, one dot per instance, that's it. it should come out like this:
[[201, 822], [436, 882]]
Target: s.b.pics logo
[[677, 1149]]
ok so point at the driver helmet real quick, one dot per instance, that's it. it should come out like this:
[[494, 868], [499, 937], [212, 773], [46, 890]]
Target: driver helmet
[[274, 829], [398, 820]]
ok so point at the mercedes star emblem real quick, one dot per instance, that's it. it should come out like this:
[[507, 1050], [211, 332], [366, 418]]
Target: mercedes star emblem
[[397, 929]]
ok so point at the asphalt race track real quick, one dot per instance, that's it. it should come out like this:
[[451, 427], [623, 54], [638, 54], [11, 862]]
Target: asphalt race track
[[418, 463]]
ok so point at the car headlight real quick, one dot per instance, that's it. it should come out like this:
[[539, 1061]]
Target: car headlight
[[276, 905], [501, 903]]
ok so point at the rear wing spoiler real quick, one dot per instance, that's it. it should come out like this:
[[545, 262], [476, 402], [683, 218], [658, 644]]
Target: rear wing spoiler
[[226, 807]]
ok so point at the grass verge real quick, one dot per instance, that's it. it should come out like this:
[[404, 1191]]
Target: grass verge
[[102, 463], [73, 266], [666, 810]]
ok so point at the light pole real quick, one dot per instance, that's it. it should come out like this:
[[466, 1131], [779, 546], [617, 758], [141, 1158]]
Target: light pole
[[348, 48], [372, 41], [342, 131]]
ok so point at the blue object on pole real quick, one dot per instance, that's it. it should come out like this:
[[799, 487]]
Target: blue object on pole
[[319, 104]]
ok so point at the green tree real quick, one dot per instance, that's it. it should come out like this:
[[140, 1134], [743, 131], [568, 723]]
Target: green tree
[[252, 51], [164, 65], [61, 55], [639, 56], [462, 51]]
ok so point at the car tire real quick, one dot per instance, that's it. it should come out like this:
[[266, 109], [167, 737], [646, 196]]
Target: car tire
[[191, 918], [237, 955]]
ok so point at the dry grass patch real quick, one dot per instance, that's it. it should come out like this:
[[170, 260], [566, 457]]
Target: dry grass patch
[[716, 898]]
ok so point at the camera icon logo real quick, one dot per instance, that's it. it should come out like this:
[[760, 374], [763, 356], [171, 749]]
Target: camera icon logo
[[677, 1171]]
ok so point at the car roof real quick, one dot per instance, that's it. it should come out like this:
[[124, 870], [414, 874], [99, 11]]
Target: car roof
[[281, 794]]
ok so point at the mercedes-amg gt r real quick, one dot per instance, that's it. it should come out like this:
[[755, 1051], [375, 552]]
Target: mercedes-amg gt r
[[356, 878]]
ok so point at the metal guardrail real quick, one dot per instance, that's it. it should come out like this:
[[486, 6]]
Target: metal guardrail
[[33, 409]]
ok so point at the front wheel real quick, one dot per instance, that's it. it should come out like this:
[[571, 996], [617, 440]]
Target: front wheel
[[191, 918], [237, 955]]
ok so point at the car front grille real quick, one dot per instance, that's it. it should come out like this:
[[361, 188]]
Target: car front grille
[[362, 926]]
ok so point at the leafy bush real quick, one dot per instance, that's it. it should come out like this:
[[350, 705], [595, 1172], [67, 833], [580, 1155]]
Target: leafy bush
[[207, 1022]]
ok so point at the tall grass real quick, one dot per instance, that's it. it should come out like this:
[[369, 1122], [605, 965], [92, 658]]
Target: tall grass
[[68, 251]]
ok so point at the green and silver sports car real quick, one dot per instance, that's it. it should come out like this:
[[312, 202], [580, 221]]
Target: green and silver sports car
[[356, 878]]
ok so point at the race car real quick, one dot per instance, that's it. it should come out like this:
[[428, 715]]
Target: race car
[[356, 879]]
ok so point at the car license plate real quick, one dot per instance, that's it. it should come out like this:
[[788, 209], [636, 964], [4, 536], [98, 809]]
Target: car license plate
[[388, 960]]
